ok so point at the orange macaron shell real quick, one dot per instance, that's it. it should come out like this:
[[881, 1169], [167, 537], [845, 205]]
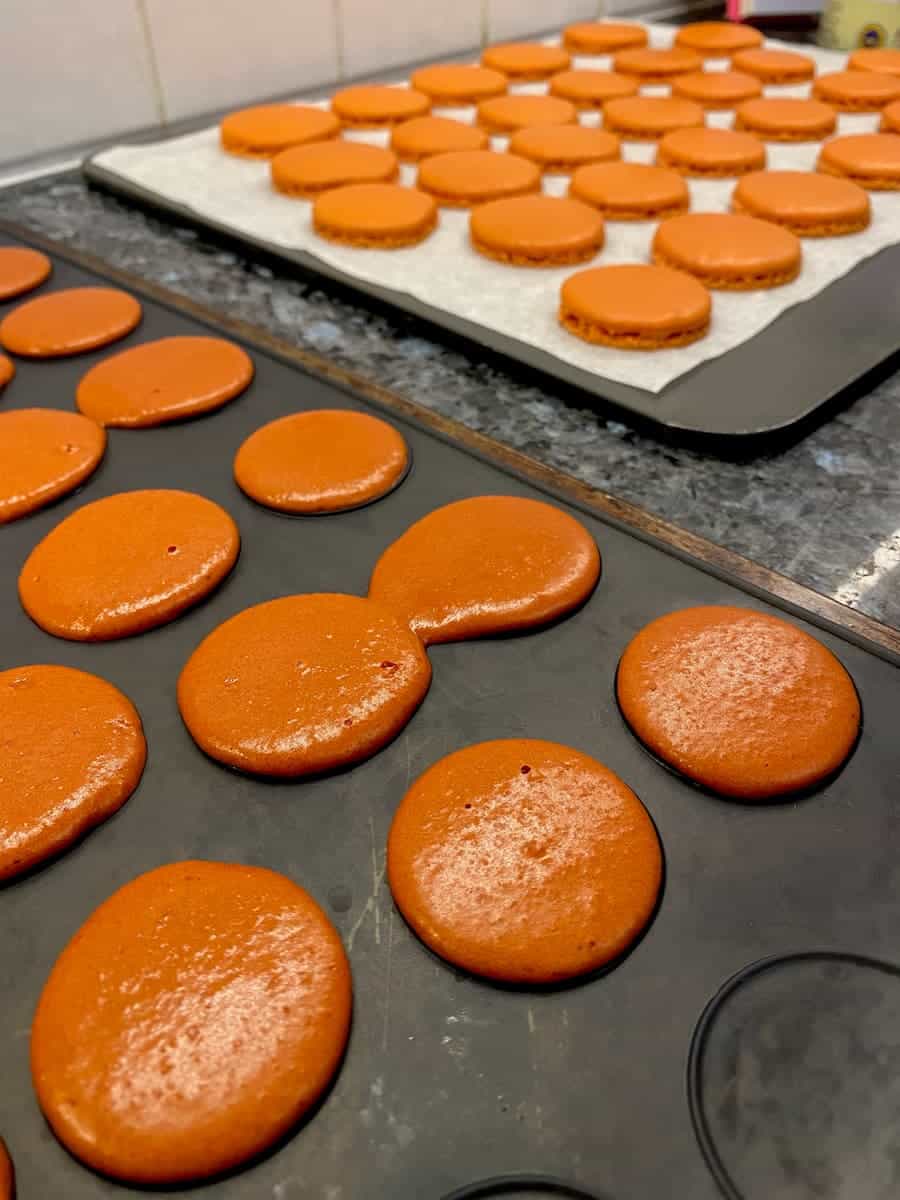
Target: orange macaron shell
[[806, 202], [303, 684], [657, 66], [504, 114], [560, 149], [745, 704], [728, 251], [266, 129], [425, 136], [786, 119], [190, 1023], [486, 565], [321, 461], [711, 153], [883, 59], [776, 67], [307, 171], [635, 306], [71, 321], [376, 216], [73, 752], [870, 159], [647, 118], [21, 270], [524, 861], [890, 118], [536, 231], [468, 177], [127, 563], [716, 90], [524, 62], [7, 370], [378, 105], [455, 84], [603, 37], [44, 455], [591, 89], [627, 191], [166, 380], [718, 39], [857, 91]]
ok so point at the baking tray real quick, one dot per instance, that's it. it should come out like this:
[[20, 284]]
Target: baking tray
[[448, 1079], [811, 360]]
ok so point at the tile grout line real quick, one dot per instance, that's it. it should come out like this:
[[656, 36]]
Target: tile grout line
[[337, 9], [158, 93]]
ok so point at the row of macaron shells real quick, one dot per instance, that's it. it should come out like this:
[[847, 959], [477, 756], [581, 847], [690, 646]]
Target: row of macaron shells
[[456, 170]]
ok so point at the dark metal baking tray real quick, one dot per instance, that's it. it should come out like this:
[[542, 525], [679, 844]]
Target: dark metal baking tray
[[813, 359], [448, 1079]]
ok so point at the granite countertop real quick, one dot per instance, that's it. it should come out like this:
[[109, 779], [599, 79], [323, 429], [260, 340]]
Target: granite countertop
[[825, 512]]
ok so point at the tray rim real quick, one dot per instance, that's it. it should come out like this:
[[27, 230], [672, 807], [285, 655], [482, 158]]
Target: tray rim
[[760, 581]]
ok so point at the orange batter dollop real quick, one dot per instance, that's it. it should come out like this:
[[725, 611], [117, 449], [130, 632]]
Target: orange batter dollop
[[127, 563], [69, 322], [745, 704], [303, 684], [321, 461], [486, 565], [21, 270], [73, 752], [166, 380], [192, 1020], [44, 454], [524, 861]]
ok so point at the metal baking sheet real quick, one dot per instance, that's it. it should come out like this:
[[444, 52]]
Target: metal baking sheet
[[449, 1079], [811, 360]]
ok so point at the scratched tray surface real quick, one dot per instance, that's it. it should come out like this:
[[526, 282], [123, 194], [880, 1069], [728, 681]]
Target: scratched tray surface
[[447, 1079]]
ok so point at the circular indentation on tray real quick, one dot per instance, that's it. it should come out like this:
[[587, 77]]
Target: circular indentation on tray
[[522, 1187], [794, 1080]]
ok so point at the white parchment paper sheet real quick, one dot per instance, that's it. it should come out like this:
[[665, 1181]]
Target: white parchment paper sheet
[[445, 273]]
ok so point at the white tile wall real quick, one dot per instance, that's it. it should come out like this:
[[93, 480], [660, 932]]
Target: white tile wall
[[72, 71], [216, 53], [508, 19], [379, 34], [82, 71]]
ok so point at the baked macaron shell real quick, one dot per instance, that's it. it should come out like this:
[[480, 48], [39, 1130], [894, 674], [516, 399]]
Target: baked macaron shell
[[717, 39], [808, 203], [375, 216], [647, 118], [635, 306], [786, 119], [728, 251], [564, 148], [603, 37], [423, 137], [537, 231], [870, 159], [711, 153], [266, 129], [716, 90], [857, 91], [627, 191]]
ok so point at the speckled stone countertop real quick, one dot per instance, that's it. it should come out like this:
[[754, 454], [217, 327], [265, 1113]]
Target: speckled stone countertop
[[825, 512]]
